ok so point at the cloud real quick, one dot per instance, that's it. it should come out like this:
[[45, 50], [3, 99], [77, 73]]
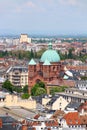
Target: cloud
[[29, 6]]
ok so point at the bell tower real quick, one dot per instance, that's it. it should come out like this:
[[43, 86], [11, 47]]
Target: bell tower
[[31, 73]]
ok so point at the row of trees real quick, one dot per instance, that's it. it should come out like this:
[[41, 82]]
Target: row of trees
[[32, 54], [22, 54], [37, 89]]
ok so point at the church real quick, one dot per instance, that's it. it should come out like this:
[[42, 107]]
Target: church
[[47, 69]]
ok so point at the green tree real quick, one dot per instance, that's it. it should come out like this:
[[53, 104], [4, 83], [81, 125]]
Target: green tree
[[17, 89], [70, 55], [40, 91], [57, 89], [25, 89], [41, 84], [25, 96], [33, 90], [31, 54], [8, 85]]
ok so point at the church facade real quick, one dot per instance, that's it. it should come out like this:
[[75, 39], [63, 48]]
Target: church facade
[[47, 69]]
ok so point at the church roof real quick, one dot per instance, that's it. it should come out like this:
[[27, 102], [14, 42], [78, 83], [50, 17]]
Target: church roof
[[32, 62], [46, 62]]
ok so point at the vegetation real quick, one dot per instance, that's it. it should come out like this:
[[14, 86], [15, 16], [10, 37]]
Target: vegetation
[[57, 89], [22, 54], [31, 54], [84, 78], [38, 89], [25, 96], [7, 85], [25, 89]]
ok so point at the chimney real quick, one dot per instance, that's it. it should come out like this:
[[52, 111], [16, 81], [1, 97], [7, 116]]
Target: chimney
[[1, 123]]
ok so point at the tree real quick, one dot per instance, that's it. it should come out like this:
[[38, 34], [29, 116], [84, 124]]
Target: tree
[[17, 89], [25, 89], [25, 96], [33, 90], [70, 55], [41, 84], [8, 85], [57, 89], [40, 91], [31, 54]]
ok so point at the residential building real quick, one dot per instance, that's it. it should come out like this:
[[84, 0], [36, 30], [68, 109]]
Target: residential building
[[55, 103], [18, 75], [81, 84], [74, 95]]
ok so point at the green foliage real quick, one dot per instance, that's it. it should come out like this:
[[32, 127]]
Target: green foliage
[[25, 89], [84, 78], [25, 96], [39, 53], [17, 89], [38, 89], [7, 85], [41, 84], [31, 54], [33, 90], [57, 89], [70, 55]]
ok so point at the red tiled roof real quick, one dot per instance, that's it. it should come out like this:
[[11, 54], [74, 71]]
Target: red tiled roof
[[51, 123], [72, 118], [1, 59], [57, 114]]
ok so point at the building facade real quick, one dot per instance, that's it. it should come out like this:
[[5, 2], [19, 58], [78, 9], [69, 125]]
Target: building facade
[[18, 75], [47, 69]]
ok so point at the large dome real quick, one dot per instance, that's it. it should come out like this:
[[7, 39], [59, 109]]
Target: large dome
[[50, 54]]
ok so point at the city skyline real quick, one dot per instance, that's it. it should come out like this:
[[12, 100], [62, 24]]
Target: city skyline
[[43, 17]]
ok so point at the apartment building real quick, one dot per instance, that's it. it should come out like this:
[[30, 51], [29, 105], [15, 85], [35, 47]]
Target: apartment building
[[18, 75]]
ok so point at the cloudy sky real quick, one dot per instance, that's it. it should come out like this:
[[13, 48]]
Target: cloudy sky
[[43, 16]]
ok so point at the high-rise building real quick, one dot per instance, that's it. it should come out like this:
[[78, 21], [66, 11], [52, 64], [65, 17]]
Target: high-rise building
[[24, 38]]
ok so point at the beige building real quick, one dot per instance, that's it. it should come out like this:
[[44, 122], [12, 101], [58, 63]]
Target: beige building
[[55, 103], [13, 100], [25, 38], [18, 75]]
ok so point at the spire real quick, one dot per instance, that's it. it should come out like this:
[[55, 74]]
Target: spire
[[32, 62]]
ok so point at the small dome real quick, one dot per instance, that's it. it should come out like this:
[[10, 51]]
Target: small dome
[[50, 54]]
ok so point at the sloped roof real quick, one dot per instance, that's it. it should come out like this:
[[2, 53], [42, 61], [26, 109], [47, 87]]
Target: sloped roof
[[46, 62], [72, 118], [32, 62]]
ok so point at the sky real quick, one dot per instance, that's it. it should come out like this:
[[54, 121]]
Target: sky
[[43, 17]]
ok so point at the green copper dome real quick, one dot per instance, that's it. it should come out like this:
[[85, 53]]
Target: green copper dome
[[50, 54]]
